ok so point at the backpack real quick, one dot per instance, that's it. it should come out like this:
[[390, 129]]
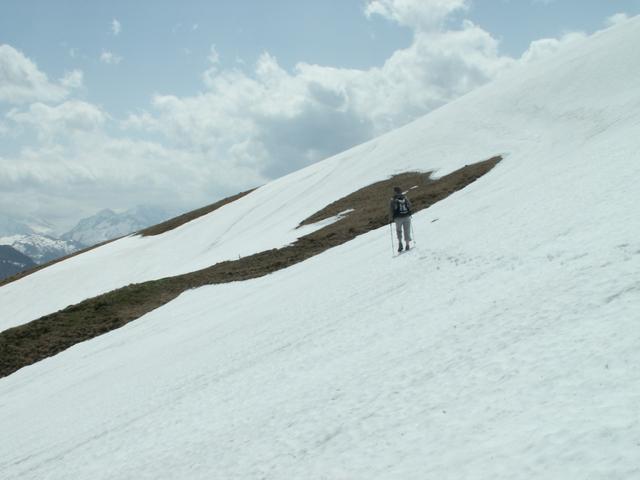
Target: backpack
[[401, 207]]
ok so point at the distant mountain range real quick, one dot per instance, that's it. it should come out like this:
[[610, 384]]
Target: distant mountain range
[[41, 248], [37, 241], [107, 224]]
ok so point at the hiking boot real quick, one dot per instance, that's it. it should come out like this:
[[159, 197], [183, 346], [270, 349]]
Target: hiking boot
[[400, 247], [407, 247]]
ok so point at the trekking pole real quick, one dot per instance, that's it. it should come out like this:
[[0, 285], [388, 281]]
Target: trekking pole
[[391, 233], [413, 235]]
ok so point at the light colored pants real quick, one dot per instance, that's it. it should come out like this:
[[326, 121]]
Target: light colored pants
[[403, 223]]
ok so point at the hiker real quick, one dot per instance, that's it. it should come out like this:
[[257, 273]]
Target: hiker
[[400, 213]]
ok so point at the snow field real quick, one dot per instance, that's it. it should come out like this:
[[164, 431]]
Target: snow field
[[504, 346], [501, 347]]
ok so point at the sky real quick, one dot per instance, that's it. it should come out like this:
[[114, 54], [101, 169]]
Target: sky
[[178, 104]]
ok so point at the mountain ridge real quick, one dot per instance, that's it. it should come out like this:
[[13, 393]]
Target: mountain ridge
[[37, 240]]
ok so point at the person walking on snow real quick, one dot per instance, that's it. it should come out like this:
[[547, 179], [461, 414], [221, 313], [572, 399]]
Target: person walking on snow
[[400, 213]]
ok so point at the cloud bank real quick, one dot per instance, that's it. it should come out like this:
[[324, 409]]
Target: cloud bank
[[276, 121], [22, 82]]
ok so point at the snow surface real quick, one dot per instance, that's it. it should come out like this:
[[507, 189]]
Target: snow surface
[[504, 346], [537, 114]]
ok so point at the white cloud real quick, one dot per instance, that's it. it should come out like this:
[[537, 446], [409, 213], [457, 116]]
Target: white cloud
[[423, 15], [616, 19], [214, 56], [66, 181], [64, 120], [110, 58], [21, 81], [276, 121], [116, 27], [546, 47], [73, 79], [214, 61]]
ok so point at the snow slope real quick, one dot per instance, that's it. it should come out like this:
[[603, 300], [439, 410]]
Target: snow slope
[[545, 110], [505, 346]]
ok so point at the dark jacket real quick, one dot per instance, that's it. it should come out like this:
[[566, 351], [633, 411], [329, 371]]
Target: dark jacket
[[395, 206]]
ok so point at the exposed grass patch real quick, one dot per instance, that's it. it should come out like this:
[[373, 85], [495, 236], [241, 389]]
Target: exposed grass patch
[[51, 334]]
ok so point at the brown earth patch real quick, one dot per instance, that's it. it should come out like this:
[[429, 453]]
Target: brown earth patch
[[147, 232], [51, 334]]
